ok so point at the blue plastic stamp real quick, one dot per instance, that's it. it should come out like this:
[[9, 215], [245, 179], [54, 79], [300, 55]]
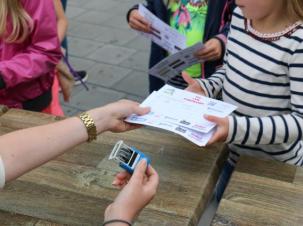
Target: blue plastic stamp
[[127, 157]]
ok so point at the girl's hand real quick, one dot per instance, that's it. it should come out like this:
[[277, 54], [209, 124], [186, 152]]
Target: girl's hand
[[137, 22], [222, 129], [111, 117], [193, 85], [212, 51], [135, 195]]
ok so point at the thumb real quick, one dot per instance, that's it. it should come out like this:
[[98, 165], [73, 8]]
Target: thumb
[[213, 119], [189, 80], [139, 172], [141, 110]]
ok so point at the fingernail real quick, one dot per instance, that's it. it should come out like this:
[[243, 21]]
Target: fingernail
[[115, 183], [143, 162]]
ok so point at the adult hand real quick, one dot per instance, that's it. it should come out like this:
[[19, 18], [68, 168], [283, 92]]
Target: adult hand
[[212, 51], [135, 195], [222, 129], [111, 117], [137, 22], [193, 84]]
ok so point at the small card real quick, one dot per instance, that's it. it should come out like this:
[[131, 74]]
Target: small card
[[174, 64]]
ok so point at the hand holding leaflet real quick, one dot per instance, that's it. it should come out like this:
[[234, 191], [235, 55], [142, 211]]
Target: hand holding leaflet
[[181, 112], [176, 63], [162, 34]]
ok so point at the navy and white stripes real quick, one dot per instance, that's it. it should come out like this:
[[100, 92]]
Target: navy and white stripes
[[265, 80]]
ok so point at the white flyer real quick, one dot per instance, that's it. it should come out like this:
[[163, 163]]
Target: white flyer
[[162, 34], [182, 112], [176, 63]]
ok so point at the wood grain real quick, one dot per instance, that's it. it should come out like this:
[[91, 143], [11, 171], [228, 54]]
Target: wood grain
[[263, 193], [75, 188]]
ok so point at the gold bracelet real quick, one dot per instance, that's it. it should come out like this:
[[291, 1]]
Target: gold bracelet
[[90, 126]]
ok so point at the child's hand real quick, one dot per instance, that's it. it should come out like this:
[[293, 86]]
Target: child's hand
[[222, 129], [212, 50], [193, 85], [137, 22]]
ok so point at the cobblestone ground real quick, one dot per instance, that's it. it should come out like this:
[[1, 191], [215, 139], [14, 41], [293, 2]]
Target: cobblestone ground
[[115, 57]]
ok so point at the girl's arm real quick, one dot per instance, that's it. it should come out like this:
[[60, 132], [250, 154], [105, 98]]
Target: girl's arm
[[43, 51], [62, 22], [26, 149], [278, 129]]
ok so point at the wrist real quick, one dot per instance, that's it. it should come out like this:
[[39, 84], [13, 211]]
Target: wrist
[[116, 212], [100, 118]]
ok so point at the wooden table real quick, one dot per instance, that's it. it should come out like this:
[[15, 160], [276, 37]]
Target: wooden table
[[262, 193], [75, 188]]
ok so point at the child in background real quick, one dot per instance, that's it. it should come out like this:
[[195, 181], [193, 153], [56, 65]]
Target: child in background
[[82, 75], [62, 24], [263, 76], [29, 50], [200, 21]]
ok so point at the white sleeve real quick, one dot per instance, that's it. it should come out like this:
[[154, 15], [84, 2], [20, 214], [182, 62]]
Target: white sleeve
[[2, 174]]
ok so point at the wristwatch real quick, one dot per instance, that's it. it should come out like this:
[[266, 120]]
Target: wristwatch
[[90, 126]]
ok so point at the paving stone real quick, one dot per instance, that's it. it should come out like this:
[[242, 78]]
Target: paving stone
[[135, 83], [115, 36], [107, 75], [139, 43], [101, 5], [95, 97], [114, 56], [85, 30], [138, 61], [111, 54], [82, 47], [79, 63], [77, 3], [135, 98], [72, 12], [69, 111], [95, 17], [123, 8], [118, 21]]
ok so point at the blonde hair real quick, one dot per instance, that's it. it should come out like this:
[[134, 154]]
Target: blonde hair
[[295, 8], [12, 10]]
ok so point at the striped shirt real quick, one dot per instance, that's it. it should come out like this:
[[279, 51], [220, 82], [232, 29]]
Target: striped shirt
[[265, 80]]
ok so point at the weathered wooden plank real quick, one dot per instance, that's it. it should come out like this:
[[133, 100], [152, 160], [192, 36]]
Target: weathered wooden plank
[[13, 219], [267, 168], [299, 176], [94, 182], [188, 175], [262, 193], [45, 202]]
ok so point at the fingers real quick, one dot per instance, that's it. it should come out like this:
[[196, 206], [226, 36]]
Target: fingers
[[153, 177], [190, 81], [138, 22], [121, 179], [139, 172], [123, 175], [214, 119], [212, 50], [141, 110], [222, 129]]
